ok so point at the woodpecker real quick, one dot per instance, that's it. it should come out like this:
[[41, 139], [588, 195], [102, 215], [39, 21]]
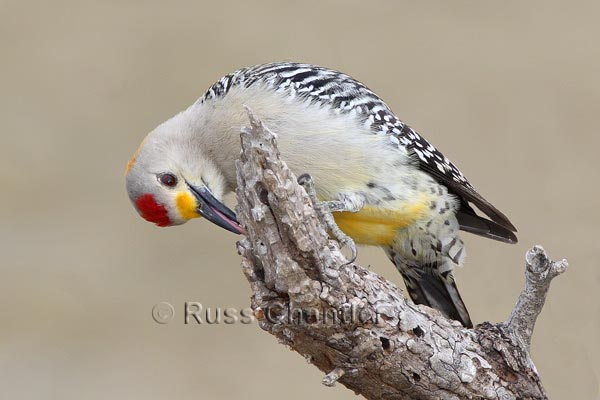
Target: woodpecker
[[387, 185]]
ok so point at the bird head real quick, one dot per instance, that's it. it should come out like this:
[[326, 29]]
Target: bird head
[[169, 181]]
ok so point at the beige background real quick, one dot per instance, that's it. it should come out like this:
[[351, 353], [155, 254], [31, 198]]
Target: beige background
[[508, 90]]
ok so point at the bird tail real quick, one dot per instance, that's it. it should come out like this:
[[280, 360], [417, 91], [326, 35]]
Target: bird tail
[[437, 291], [469, 221]]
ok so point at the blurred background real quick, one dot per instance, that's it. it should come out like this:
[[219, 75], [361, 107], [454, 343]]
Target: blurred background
[[508, 90]]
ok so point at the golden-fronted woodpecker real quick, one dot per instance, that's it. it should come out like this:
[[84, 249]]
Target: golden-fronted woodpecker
[[391, 187]]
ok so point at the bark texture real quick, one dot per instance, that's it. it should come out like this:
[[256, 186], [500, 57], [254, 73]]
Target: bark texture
[[354, 325]]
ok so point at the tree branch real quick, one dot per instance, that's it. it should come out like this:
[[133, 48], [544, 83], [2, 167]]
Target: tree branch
[[539, 272], [354, 325]]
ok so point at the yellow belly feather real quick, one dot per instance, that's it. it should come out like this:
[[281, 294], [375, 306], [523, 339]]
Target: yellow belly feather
[[377, 226]]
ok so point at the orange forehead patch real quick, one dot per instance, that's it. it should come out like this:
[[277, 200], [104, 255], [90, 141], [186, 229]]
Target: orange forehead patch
[[132, 161], [129, 165], [135, 156]]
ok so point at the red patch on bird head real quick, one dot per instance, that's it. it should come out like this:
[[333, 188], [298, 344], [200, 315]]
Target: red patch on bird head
[[152, 211]]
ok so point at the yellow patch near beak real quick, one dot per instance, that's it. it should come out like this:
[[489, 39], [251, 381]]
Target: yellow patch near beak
[[187, 205]]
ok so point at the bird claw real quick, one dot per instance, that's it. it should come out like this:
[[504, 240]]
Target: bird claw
[[324, 210], [349, 243], [305, 180]]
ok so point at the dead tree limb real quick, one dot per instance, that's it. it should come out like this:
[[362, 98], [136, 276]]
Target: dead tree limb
[[354, 325]]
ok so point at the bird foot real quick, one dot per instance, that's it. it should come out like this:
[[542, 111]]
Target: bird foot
[[325, 209]]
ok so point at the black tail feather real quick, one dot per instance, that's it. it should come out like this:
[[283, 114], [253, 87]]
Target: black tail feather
[[435, 291], [484, 227]]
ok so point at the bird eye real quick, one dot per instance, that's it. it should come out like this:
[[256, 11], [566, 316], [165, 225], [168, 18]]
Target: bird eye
[[168, 180]]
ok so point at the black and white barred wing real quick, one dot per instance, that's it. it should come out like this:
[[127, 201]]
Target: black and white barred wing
[[432, 161], [344, 94]]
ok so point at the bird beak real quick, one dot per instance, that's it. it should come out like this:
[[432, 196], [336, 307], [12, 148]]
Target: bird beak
[[215, 211]]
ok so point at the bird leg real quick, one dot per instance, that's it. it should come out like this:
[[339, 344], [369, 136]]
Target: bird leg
[[325, 209]]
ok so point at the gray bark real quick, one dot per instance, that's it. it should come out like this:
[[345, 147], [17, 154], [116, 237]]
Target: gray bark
[[353, 324]]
